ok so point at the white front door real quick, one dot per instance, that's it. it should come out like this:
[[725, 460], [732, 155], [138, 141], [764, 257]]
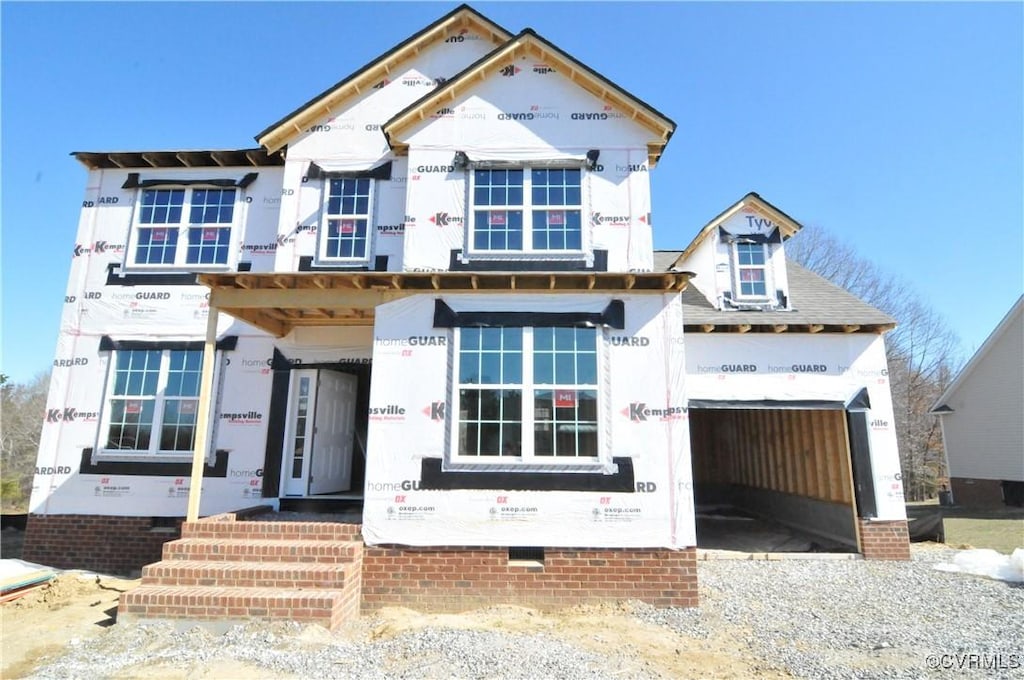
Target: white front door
[[320, 438], [334, 434]]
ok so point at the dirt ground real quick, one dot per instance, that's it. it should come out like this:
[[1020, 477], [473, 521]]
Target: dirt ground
[[74, 608], [43, 623]]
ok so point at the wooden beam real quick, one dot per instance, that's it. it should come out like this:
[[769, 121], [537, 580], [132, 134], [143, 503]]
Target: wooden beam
[[262, 320], [298, 298], [815, 328], [779, 328], [202, 433], [742, 328], [708, 327], [183, 159], [851, 328], [217, 157], [820, 431], [150, 159]]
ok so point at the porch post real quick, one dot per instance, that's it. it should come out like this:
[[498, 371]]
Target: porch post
[[202, 434]]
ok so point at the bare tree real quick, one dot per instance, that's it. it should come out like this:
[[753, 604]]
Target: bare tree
[[22, 410], [922, 352]]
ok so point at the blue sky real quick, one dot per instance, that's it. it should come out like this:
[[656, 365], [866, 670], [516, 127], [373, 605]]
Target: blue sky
[[898, 127]]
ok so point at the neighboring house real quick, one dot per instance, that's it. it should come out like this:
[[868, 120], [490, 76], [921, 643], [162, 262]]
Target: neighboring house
[[982, 427], [432, 291]]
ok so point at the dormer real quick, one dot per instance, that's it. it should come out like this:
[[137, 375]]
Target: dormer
[[739, 258]]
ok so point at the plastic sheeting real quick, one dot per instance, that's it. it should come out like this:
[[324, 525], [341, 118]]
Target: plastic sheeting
[[98, 303], [988, 563], [278, 220], [641, 419]]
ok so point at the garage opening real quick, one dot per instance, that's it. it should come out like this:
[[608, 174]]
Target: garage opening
[[773, 478]]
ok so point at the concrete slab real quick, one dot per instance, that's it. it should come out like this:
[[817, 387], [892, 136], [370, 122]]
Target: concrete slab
[[723, 529]]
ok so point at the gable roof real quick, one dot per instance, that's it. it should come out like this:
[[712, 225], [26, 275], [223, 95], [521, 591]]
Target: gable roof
[[1004, 325], [278, 134], [752, 201], [818, 305], [528, 42]]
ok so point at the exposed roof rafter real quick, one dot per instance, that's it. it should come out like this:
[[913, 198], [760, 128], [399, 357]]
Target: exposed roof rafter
[[278, 303]]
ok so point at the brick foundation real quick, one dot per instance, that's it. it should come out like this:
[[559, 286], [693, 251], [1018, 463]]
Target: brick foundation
[[884, 540], [112, 545], [456, 578]]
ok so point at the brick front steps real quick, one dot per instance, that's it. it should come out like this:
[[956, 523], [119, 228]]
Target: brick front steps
[[227, 571]]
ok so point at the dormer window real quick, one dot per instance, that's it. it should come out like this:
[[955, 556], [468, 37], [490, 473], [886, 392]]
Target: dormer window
[[750, 270]]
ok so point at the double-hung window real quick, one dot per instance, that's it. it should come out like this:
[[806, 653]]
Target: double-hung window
[[528, 394], [184, 226], [152, 401], [348, 219], [526, 210], [750, 270]]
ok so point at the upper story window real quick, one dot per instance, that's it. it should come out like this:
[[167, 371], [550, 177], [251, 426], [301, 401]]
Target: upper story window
[[152, 401], [527, 394], [348, 217], [751, 270], [164, 237], [526, 210]]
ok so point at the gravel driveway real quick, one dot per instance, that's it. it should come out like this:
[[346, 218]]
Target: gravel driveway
[[802, 618]]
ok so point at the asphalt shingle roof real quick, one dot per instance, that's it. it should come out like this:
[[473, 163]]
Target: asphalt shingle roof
[[812, 298]]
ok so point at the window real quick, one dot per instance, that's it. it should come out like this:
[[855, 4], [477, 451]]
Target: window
[[206, 237], [527, 394], [152, 401], [526, 210], [750, 270], [348, 211]]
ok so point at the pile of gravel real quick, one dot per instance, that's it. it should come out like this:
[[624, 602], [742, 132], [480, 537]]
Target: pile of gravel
[[855, 619], [807, 618]]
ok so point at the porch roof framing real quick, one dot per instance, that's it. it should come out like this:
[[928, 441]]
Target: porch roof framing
[[278, 303]]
